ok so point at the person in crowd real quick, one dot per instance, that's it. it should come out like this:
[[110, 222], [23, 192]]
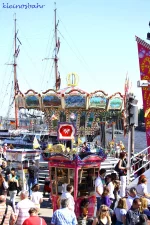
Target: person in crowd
[[99, 186], [111, 186], [116, 193], [122, 147], [36, 196], [142, 187], [85, 147], [64, 215], [132, 195], [1, 152], [122, 166], [121, 211], [13, 185], [7, 216], [117, 150], [23, 207], [68, 195], [34, 218], [4, 150], [33, 176], [108, 179], [105, 200], [141, 171], [3, 184], [133, 214], [103, 217], [8, 202], [5, 170], [144, 207]]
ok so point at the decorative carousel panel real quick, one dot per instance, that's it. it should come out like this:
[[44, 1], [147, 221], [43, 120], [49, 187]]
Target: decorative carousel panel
[[75, 101], [20, 102], [51, 101], [115, 103], [32, 101], [99, 102], [90, 119]]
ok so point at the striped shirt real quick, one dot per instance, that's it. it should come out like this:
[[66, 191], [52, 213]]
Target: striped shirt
[[8, 215], [22, 209]]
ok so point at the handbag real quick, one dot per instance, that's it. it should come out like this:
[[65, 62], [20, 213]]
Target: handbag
[[4, 215]]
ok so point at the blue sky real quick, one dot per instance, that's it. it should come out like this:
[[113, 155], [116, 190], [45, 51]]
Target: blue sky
[[97, 42]]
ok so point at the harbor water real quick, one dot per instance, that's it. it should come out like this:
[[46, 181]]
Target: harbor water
[[139, 140]]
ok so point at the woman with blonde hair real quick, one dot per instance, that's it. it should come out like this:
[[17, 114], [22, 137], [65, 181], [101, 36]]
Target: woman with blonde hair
[[121, 211], [103, 217], [144, 207]]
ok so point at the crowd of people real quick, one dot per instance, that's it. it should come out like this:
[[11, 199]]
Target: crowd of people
[[26, 211], [115, 204]]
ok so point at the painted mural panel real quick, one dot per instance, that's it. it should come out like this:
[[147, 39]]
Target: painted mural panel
[[98, 102], [115, 104], [51, 100], [32, 101], [75, 101]]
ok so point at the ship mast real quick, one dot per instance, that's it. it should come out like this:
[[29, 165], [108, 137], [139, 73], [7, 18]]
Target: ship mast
[[15, 74], [57, 45]]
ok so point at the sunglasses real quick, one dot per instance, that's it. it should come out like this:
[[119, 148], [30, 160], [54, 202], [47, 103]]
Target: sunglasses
[[105, 210]]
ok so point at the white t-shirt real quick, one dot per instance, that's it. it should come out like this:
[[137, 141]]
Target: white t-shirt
[[71, 199], [141, 189], [129, 201], [111, 190], [119, 213], [36, 196], [99, 184]]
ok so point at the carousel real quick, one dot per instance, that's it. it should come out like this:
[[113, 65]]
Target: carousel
[[74, 116], [72, 105]]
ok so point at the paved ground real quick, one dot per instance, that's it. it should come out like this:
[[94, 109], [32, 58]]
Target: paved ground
[[46, 210]]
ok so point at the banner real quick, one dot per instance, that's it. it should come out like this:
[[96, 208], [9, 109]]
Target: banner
[[144, 63]]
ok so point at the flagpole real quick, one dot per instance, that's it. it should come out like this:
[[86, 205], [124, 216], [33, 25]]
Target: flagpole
[[15, 75]]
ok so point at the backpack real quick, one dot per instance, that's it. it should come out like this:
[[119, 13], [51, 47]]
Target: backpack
[[117, 168]]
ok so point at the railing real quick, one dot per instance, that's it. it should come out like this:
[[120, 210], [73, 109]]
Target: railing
[[140, 163]]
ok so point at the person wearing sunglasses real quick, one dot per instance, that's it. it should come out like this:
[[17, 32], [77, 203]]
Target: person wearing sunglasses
[[103, 217]]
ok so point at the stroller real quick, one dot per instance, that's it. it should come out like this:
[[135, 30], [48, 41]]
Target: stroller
[[46, 186]]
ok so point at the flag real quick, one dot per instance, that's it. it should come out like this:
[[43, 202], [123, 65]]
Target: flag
[[12, 122], [35, 143], [144, 65]]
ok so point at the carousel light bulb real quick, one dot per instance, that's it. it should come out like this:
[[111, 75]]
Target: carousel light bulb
[[72, 116]]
